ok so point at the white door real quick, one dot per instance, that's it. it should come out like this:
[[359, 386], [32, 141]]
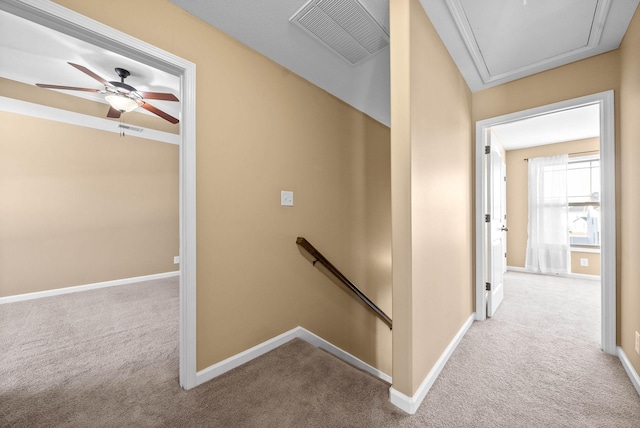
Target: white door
[[496, 227]]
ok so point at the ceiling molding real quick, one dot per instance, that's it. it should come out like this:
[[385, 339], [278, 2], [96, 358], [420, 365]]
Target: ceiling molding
[[463, 26], [610, 22]]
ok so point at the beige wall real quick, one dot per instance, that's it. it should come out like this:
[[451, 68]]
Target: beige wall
[[257, 134], [81, 206], [518, 206], [431, 196], [260, 130], [593, 263], [586, 77], [629, 202]]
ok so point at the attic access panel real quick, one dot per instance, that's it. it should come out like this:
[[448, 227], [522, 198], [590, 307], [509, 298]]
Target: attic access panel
[[344, 26], [505, 36]]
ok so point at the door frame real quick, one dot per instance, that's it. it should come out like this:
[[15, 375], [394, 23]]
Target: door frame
[[605, 100], [66, 21]]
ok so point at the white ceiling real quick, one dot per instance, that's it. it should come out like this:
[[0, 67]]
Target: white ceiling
[[264, 26], [567, 125], [496, 41], [491, 41], [528, 42], [31, 53]]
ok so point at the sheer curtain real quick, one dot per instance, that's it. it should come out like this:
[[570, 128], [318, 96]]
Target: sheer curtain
[[548, 249]]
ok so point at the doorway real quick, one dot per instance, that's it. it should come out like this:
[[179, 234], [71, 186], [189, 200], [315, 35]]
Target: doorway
[[604, 101], [71, 23]]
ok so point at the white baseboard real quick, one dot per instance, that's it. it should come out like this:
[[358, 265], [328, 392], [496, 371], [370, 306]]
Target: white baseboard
[[564, 275], [237, 360], [86, 287], [411, 404], [631, 372], [244, 357], [319, 342]]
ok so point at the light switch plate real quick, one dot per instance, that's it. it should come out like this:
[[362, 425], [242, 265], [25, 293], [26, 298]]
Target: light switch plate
[[286, 198], [176, 260]]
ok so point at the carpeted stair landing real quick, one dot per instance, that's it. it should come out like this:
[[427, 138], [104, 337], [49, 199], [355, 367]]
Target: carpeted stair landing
[[109, 358]]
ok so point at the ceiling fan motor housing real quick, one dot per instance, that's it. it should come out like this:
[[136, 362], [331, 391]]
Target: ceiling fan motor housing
[[123, 74], [123, 86]]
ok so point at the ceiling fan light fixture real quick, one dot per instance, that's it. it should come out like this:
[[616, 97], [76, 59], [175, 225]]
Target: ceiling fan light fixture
[[121, 103], [121, 97]]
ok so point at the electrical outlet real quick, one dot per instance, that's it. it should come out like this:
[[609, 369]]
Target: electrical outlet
[[286, 198], [176, 260], [637, 343], [584, 262]]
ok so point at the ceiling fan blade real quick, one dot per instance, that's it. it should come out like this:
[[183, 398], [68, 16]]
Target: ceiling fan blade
[[159, 112], [113, 113], [158, 96], [90, 73], [68, 88]]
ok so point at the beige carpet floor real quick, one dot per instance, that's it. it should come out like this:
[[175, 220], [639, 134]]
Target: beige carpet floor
[[108, 358]]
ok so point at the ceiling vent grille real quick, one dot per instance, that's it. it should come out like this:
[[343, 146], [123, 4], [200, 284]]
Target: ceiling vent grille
[[344, 26]]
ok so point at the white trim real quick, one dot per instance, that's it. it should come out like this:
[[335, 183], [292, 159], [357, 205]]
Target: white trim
[[468, 36], [449, 21], [319, 342], [85, 287], [188, 229], [563, 275], [607, 205], [628, 367], [244, 357], [58, 115], [608, 254], [59, 18], [585, 250], [411, 404]]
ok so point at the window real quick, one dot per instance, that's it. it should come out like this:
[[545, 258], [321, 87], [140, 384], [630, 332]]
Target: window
[[583, 191]]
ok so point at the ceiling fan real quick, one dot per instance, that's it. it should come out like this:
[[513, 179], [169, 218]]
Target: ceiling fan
[[122, 98]]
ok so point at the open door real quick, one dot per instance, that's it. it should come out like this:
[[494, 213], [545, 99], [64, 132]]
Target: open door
[[605, 101], [496, 227]]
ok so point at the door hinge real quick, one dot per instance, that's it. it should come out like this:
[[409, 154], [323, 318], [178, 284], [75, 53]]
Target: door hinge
[[487, 218], [487, 150], [505, 255], [487, 286]]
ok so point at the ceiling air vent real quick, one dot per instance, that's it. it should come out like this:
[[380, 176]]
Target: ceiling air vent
[[344, 26]]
